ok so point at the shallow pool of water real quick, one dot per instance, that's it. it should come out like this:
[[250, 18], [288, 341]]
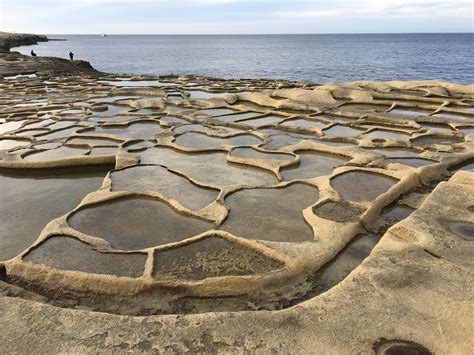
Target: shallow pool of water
[[29, 200]]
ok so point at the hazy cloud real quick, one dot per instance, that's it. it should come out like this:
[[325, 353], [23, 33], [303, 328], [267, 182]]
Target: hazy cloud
[[235, 16]]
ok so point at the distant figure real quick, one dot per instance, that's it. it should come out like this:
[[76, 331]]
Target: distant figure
[[71, 55], [33, 54]]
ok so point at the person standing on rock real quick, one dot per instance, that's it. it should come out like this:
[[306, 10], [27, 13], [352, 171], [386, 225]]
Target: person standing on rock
[[71, 55], [33, 54]]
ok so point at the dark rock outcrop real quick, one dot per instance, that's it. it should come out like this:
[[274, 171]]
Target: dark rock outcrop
[[14, 63], [10, 40]]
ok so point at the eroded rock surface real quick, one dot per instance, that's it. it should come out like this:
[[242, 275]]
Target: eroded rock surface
[[238, 195]]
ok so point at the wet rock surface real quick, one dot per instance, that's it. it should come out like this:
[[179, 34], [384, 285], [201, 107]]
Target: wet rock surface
[[204, 210], [211, 257], [136, 223], [266, 217], [66, 253], [42, 196], [361, 185]]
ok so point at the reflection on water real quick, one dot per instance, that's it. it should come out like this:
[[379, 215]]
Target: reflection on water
[[29, 200]]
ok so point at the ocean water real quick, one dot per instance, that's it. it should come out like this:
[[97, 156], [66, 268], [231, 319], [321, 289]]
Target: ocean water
[[316, 57]]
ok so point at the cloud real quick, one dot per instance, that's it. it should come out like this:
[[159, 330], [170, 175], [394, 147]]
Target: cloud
[[307, 13], [371, 9], [235, 16]]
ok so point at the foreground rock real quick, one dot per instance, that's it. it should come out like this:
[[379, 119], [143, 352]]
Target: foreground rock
[[197, 214]]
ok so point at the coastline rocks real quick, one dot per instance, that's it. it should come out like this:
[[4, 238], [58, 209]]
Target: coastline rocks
[[14, 63], [9, 40]]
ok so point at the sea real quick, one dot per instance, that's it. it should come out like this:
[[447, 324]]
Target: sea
[[319, 58]]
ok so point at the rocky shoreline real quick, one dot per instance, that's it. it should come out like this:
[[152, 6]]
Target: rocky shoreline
[[14, 63], [9, 40], [195, 214]]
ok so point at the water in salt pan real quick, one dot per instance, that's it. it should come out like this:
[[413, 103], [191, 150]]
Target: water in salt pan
[[39, 197]]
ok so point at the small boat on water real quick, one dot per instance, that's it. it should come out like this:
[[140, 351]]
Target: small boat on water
[[104, 35]]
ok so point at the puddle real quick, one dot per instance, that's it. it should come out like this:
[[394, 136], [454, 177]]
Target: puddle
[[260, 122], [38, 197], [10, 126], [53, 154], [133, 130], [211, 168], [361, 185], [217, 112], [435, 139], [395, 213], [466, 130], [338, 211], [91, 141], [256, 154], [138, 145], [136, 223], [66, 253], [436, 128], [408, 112], [51, 145], [63, 124], [451, 116], [41, 124], [301, 123], [467, 165], [413, 162], [141, 83], [143, 112], [260, 213], [238, 116], [112, 99], [31, 132], [174, 109], [342, 131], [203, 95], [103, 151], [112, 110], [201, 141], [64, 133], [211, 257], [312, 164], [6, 144], [171, 185], [193, 128], [386, 134], [463, 230], [114, 119]]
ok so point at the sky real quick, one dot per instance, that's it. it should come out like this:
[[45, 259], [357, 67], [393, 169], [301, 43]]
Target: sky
[[235, 16]]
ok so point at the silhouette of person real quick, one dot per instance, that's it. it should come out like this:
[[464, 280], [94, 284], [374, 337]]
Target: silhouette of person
[[71, 55], [33, 54]]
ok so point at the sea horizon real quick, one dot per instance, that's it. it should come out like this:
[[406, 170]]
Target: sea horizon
[[320, 58], [251, 34]]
